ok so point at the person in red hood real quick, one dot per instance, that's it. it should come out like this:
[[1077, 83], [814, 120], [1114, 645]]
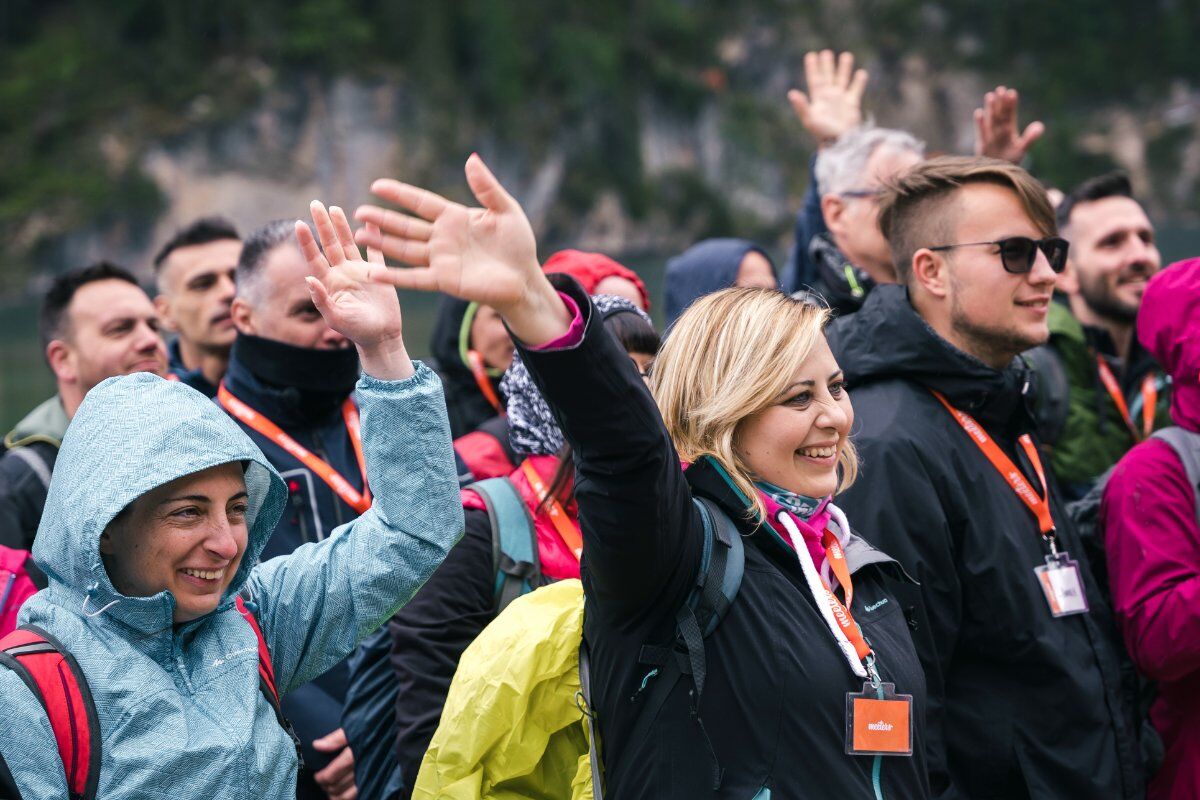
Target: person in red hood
[[1152, 539], [599, 274]]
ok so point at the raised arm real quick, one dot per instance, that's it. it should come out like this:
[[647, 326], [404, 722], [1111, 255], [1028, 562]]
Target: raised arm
[[641, 534], [317, 603], [997, 133]]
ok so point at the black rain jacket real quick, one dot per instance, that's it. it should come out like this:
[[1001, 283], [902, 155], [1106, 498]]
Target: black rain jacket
[[774, 704], [1021, 704]]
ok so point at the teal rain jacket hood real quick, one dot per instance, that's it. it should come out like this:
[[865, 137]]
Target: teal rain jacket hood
[[179, 707]]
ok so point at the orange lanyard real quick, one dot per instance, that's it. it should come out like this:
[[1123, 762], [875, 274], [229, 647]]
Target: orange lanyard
[[562, 523], [1039, 504], [359, 501], [479, 371], [1149, 399], [841, 613]]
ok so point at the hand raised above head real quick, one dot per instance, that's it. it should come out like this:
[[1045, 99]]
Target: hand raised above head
[[997, 133], [487, 255], [354, 305], [833, 104]]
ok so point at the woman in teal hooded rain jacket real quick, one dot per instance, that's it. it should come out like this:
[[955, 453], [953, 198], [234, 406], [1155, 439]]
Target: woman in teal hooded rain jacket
[[174, 671]]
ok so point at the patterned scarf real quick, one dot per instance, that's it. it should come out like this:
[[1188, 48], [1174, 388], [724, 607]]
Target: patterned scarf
[[532, 429], [801, 506]]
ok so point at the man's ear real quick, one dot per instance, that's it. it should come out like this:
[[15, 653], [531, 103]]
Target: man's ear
[[1067, 281], [106, 544], [163, 306], [243, 316], [930, 272], [833, 207], [61, 358]]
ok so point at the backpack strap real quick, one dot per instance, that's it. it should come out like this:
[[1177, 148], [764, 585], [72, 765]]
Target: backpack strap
[[514, 540], [266, 674], [723, 561], [1187, 446], [35, 461], [56, 680]]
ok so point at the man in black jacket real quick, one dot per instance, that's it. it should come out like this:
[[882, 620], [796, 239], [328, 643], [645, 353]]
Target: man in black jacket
[[1023, 702]]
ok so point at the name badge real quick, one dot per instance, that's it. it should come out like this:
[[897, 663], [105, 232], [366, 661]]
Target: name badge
[[1062, 586], [878, 721]]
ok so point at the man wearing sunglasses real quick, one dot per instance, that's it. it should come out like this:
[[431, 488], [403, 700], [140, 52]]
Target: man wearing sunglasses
[[1115, 394], [1020, 656]]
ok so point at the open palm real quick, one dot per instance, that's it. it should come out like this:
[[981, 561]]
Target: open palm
[[487, 255], [354, 305]]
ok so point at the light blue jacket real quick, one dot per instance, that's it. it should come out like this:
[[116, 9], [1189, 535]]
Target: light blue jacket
[[180, 711]]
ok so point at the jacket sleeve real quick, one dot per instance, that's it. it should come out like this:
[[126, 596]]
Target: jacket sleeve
[[429, 635], [895, 506], [1153, 546], [27, 742], [317, 603], [642, 535]]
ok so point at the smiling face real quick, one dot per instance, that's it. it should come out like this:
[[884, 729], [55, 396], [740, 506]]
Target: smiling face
[[110, 328], [197, 287], [796, 442], [1112, 257], [187, 537], [967, 296]]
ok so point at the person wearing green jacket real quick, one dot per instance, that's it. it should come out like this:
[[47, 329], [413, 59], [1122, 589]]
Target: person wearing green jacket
[[1106, 393]]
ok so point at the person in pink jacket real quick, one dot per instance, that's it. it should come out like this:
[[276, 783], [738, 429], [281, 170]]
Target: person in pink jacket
[[1149, 518]]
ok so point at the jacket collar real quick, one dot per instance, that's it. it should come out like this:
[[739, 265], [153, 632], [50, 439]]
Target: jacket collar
[[706, 478], [285, 406], [46, 423], [888, 339], [191, 377]]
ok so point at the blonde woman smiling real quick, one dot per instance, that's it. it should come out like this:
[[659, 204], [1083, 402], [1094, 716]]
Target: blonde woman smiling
[[812, 688]]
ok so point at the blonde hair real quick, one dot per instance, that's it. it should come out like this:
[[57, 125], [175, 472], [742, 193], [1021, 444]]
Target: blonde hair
[[729, 356]]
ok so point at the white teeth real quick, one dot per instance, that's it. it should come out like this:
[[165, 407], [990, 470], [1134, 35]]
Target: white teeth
[[818, 452], [208, 575]]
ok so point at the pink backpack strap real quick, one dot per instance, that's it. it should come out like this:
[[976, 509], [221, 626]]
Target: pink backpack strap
[[58, 683]]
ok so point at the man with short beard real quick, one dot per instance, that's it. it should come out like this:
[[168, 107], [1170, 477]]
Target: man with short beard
[[195, 274], [95, 323], [1020, 654], [1116, 395]]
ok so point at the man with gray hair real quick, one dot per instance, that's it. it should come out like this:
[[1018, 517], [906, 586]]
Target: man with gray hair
[[851, 256], [289, 385], [839, 252]]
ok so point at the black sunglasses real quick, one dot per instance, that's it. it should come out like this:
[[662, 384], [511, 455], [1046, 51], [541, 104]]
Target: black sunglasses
[[1017, 253]]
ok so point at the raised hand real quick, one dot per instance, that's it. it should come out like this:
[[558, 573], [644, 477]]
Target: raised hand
[[996, 129], [361, 309], [487, 255], [833, 104]]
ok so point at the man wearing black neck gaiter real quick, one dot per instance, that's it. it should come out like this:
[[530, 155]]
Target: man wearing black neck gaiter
[[290, 385]]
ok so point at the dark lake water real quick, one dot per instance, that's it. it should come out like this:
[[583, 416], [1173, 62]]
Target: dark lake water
[[25, 380]]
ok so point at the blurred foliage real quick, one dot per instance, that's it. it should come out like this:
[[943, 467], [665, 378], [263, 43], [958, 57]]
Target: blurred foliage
[[533, 71]]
